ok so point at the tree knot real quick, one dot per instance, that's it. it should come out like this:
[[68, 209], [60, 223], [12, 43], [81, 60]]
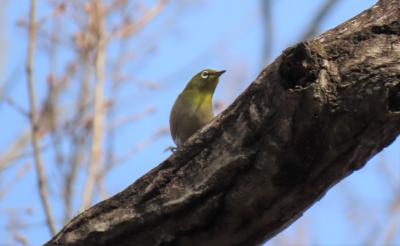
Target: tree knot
[[299, 66]]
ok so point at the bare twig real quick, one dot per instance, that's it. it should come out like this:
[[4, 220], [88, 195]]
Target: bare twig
[[111, 131], [54, 87], [98, 118], [41, 178], [129, 29], [79, 137], [23, 240], [113, 162], [138, 147], [19, 174], [393, 222], [124, 119], [319, 17], [9, 83], [15, 106], [16, 152], [268, 31]]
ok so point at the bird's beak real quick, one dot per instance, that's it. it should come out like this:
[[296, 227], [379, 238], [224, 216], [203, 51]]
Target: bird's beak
[[219, 73]]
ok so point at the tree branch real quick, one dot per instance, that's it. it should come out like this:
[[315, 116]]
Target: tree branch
[[311, 118], [98, 118], [41, 174]]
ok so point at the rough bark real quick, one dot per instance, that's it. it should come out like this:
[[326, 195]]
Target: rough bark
[[311, 118]]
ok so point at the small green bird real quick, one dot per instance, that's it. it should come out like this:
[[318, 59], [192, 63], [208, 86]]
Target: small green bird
[[193, 108]]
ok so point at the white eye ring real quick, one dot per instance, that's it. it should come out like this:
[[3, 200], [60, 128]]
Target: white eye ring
[[204, 75]]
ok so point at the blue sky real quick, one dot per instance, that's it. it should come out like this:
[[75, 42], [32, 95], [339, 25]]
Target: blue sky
[[177, 44]]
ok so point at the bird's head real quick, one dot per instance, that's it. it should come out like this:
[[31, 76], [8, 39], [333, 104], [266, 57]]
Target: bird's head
[[206, 80]]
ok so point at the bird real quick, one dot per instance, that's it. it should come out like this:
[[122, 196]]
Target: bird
[[193, 108]]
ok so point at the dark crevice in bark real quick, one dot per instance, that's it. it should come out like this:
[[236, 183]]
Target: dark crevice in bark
[[390, 29], [299, 66], [394, 98]]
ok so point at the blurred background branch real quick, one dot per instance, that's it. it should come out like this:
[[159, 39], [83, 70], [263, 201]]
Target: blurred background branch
[[266, 9], [40, 170], [98, 28], [320, 16]]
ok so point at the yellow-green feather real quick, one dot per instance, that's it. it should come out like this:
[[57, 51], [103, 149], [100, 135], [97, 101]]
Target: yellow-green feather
[[193, 108]]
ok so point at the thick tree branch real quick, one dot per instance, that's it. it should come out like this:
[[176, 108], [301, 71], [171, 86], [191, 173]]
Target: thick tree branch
[[311, 118]]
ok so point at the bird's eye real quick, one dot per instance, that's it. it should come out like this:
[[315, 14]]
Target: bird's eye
[[204, 75]]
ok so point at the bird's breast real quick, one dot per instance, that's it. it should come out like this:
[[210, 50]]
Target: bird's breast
[[189, 115]]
